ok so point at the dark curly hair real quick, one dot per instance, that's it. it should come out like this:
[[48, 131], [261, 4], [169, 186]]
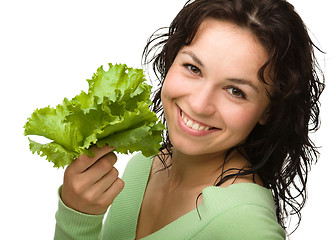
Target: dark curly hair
[[280, 152]]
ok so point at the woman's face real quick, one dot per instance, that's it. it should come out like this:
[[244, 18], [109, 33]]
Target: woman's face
[[212, 97]]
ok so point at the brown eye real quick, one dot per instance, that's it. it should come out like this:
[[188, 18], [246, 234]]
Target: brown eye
[[193, 69], [236, 92]]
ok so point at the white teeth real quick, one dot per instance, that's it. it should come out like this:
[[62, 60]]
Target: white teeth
[[190, 123], [193, 125]]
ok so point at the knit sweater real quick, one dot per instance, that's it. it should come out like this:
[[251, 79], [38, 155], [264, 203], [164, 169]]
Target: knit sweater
[[241, 211]]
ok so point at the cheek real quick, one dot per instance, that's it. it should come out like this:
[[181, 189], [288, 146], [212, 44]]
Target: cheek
[[174, 85], [166, 94], [169, 91], [242, 119]]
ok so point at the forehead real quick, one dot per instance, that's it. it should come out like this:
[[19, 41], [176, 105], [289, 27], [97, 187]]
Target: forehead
[[228, 46], [238, 39]]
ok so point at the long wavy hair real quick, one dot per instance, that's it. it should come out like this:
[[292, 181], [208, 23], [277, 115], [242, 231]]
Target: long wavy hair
[[280, 152]]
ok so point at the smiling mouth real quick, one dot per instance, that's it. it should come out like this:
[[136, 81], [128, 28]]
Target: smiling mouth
[[194, 124]]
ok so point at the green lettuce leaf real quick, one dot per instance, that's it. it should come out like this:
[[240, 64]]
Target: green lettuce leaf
[[115, 111]]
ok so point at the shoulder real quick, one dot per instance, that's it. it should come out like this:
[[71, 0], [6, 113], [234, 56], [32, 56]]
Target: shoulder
[[244, 222], [240, 211]]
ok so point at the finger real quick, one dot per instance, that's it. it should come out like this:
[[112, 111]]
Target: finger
[[101, 167], [104, 200], [83, 162], [112, 192], [105, 182]]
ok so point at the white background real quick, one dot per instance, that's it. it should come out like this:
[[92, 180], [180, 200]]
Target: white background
[[49, 48]]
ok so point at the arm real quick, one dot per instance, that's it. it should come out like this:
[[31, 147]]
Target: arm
[[90, 186], [247, 222]]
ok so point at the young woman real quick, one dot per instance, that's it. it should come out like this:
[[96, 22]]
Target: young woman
[[239, 94]]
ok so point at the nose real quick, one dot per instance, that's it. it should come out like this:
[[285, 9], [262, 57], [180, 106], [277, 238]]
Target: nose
[[202, 101]]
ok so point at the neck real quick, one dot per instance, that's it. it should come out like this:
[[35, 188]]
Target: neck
[[194, 171]]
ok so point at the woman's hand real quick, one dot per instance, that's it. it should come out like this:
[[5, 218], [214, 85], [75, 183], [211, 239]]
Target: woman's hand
[[91, 183]]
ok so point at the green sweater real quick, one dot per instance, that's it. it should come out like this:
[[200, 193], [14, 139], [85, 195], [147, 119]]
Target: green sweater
[[240, 211]]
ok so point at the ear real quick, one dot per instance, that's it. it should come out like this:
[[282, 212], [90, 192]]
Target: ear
[[264, 118]]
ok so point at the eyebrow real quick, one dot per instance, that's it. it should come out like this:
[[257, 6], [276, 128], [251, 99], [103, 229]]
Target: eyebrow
[[194, 57], [243, 81]]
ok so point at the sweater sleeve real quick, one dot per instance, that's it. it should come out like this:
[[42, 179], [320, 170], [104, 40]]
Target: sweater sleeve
[[247, 222], [71, 224]]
